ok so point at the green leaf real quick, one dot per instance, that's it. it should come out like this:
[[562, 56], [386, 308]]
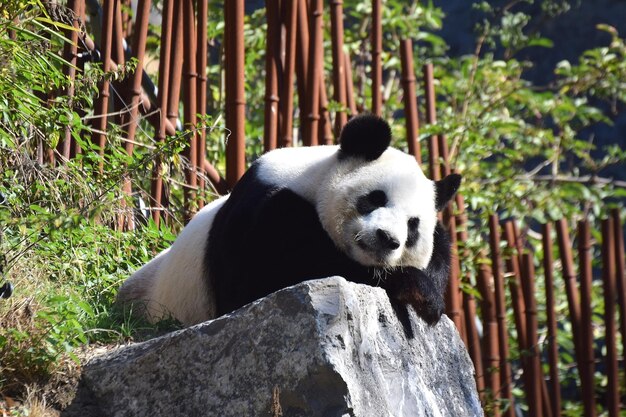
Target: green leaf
[[542, 42]]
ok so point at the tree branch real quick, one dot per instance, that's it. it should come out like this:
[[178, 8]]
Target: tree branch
[[586, 179]]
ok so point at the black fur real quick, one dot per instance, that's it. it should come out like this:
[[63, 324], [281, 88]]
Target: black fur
[[424, 289], [365, 136], [413, 231], [445, 189], [265, 238], [371, 201]]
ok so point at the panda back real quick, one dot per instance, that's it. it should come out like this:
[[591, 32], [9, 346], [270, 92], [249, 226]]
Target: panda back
[[302, 170], [266, 237]]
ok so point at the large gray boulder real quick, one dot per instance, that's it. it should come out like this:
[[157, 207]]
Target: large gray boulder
[[321, 348]]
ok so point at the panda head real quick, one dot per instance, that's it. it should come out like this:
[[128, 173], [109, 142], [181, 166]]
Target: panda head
[[379, 208]]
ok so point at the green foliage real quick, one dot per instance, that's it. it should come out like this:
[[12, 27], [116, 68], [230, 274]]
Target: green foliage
[[400, 20], [509, 137], [600, 73], [70, 302], [29, 69], [57, 243], [522, 148]]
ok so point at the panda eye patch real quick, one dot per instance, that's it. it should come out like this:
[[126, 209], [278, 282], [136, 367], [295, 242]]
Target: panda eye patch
[[413, 234], [371, 201]]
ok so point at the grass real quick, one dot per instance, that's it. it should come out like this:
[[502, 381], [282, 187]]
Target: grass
[[34, 404], [64, 305], [66, 262]]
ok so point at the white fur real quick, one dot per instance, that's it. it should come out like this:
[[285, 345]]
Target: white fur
[[174, 282], [409, 193], [315, 174], [303, 170]]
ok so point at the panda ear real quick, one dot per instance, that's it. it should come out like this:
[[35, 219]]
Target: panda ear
[[445, 189], [365, 136]]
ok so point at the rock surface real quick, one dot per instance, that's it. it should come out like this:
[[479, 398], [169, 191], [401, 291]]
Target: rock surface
[[331, 347]]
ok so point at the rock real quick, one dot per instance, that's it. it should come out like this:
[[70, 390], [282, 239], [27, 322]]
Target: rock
[[321, 348]]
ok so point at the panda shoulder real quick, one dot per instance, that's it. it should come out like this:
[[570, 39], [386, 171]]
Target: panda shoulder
[[295, 168]]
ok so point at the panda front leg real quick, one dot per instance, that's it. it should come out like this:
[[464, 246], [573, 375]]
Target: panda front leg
[[411, 286], [424, 289]]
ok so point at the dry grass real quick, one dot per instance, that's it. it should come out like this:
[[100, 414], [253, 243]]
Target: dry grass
[[23, 372], [19, 334], [34, 404]]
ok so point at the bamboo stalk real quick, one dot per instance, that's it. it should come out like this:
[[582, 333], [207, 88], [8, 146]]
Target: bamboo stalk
[[458, 225], [491, 365], [302, 62], [515, 288], [569, 278], [454, 308], [586, 367], [473, 341], [518, 242], [286, 102], [117, 51], [431, 118], [350, 86], [325, 131], [139, 49], [201, 94], [70, 50], [410, 100], [518, 296], [503, 336], [272, 65], [134, 87], [190, 77], [377, 50], [102, 102], [608, 277], [533, 388], [553, 349], [164, 68], [620, 274], [116, 102], [176, 64], [310, 134], [339, 80], [442, 146], [235, 94], [75, 148]]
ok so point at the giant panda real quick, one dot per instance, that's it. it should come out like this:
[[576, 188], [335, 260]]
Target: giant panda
[[361, 210]]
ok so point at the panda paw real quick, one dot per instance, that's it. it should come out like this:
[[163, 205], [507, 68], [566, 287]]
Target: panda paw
[[411, 286], [429, 310]]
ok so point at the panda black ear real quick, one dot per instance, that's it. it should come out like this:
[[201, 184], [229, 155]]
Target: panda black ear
[[445, 189], [365, 136]]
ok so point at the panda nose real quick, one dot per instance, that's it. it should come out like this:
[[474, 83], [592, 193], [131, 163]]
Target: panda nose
[[386, 240]]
